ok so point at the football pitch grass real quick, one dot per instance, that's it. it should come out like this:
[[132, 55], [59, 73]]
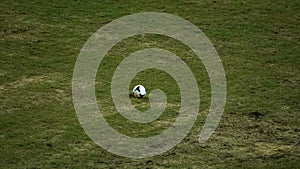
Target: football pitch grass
[[257, 41]]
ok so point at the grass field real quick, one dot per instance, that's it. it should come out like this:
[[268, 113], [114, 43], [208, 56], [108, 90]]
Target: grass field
[[257, 41]]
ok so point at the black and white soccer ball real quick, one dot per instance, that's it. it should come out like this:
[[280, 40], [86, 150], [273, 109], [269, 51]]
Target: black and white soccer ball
[[139, 91]]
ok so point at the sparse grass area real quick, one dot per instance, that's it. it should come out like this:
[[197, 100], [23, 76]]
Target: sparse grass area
[[257, 41]]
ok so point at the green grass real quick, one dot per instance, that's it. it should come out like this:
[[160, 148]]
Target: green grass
[[258, 43]]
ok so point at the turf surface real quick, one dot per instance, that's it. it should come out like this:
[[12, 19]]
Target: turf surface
[[258, 43]]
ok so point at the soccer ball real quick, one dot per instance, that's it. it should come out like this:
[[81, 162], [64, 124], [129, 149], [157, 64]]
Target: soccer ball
[[139, 91]]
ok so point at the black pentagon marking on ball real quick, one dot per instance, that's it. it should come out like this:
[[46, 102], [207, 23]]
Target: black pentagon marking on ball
[[138, 88]]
